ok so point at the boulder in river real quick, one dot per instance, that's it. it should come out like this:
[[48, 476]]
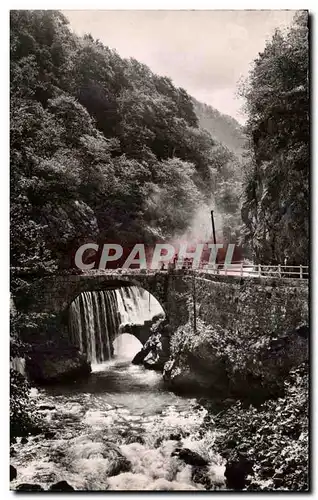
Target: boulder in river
[[47, 365], [200, 475], [153, 362], [140, 356], [223, 363], [118, 463], [190, 457], [155, 351], [29, 487], [61, 486], [13, 473], [236, 473]]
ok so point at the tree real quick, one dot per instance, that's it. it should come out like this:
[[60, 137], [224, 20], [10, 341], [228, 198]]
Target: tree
[[275, 209], [101, 147]]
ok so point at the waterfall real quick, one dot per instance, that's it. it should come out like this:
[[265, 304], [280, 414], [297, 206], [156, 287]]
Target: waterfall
[[97, 317], [18, 364]]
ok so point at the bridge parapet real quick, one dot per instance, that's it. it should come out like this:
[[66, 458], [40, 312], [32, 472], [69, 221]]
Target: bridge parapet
[[55, 293]]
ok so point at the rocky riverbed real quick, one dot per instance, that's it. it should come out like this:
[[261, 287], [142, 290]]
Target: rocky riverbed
[[118, 430]]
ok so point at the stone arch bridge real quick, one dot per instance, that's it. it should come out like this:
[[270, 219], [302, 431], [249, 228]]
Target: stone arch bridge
[[233, 302]]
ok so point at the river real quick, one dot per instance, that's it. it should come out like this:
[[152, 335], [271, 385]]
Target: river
[[121, 429]]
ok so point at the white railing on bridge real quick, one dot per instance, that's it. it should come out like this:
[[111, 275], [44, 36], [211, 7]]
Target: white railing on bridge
[[257, 270], [244, 268]]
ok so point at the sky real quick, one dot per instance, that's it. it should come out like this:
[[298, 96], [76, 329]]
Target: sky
[[205, 52]]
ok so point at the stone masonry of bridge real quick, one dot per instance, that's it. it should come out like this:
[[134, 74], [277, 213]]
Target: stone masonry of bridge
[[248, 303]]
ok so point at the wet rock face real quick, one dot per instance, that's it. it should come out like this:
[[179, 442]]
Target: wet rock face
[[46, 365]]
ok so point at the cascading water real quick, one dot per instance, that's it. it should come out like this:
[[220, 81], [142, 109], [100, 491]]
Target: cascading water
[[97, 317]]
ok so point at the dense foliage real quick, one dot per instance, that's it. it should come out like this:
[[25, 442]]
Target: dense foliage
[[223, 127], [273, 438], [275, 209], [101, 147], [23, 417]]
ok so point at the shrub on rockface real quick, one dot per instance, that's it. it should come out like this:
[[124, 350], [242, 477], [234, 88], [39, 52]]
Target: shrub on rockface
[[273, 438], [23, 418]]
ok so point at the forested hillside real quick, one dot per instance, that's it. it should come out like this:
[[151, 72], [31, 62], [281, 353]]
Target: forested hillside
[[101, 147], [223, 127], [276, 195]]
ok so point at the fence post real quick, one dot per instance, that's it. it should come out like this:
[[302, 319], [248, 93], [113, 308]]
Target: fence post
[[241, 269], [279, 271], [301, 272], [225, 270], [259, 270]]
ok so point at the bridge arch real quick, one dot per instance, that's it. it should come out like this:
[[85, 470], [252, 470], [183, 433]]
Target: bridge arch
[[114, 283], [55, 294], [101, 313]]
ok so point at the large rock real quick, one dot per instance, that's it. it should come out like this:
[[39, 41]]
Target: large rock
[[155, 352], [46, 365], [119, 465], [13, 473], [61, 486], [140, 356], [201, 475], [190, 457], [197, 363], [236, 473], [200, 470], [220, 364]]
